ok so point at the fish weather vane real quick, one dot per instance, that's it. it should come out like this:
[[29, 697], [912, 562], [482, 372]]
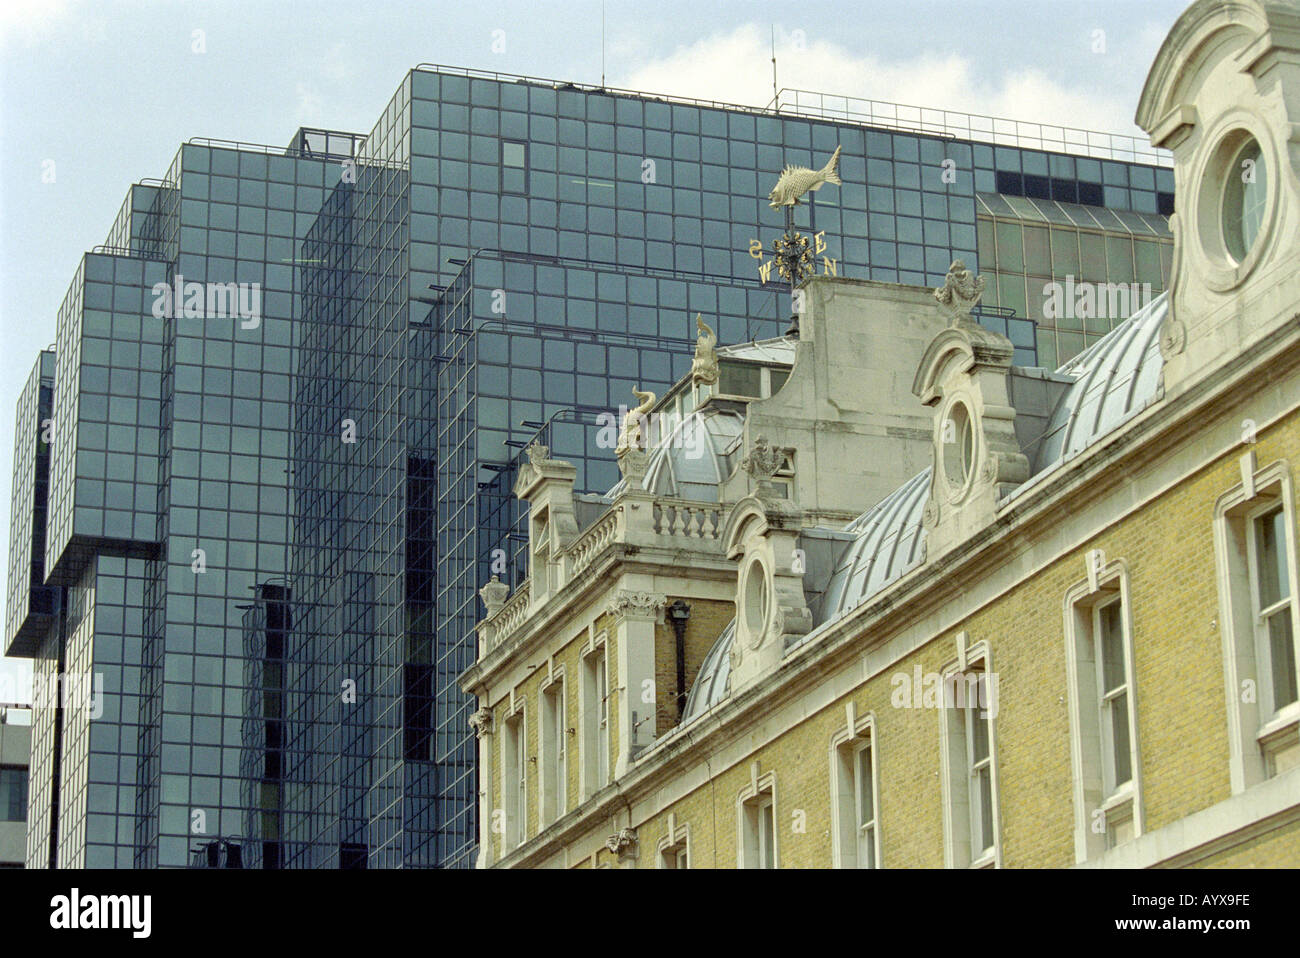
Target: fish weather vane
[[794, 254], [796, 181]]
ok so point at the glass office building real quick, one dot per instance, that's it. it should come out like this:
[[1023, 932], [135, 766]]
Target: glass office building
[[265, 525]]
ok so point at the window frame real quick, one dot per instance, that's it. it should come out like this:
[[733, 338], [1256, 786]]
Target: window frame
[[752, 804], [976, 767], [1099, 800], [595, 717], [23, 791], [675, 847], [514, 778], [502, 166], [1254, 737], [554, 760], [1272, 712], [959, 769], [868, 826], [858, 736], [1106, 697]]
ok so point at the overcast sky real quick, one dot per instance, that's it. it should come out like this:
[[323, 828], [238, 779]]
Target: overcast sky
[[103, 93]]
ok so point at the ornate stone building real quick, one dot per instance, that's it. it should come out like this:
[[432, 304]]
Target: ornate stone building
[[872, 596]]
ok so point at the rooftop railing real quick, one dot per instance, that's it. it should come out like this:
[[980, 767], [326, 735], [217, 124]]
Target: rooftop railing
[[999, 131]]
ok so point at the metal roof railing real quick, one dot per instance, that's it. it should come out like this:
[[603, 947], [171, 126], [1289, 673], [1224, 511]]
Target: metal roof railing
[[998, 131]]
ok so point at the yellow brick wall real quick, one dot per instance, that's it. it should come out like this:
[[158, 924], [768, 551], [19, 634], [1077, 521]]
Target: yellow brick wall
[[708, 619], [1168, 549], [567, 657]]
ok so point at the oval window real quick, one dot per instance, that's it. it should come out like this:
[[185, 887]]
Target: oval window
[[755, 601], [958, 445], [1245, 195]]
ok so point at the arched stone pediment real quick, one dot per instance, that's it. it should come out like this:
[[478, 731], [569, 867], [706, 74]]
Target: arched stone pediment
[[1191, 49], [959, 349], [748, 518]]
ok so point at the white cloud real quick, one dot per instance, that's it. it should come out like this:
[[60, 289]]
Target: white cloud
[[29, 19], [736, 67]]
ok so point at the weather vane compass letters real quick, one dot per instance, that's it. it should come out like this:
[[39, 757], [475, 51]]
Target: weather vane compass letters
[[794, 254]]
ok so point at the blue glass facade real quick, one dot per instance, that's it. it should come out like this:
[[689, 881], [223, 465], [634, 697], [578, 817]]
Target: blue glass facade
[[270, 535]]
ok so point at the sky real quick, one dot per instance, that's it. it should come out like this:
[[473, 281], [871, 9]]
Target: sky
[[95, 96]]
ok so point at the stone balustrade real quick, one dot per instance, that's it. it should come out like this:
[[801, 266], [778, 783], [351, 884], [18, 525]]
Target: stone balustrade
[[637, 518]]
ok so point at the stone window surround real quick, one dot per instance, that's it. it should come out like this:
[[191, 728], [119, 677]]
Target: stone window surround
[[858, 732], [514, 725], [1104, 582], [677, 840], [760, 791], [597, 647], [552, 796], [1248, 732], [956, 832]]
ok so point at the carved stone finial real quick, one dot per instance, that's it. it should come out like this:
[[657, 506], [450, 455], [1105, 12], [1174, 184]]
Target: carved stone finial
[[763, 463], [621, 842], [635, 432], [494, 595], [481, 722], [537, 452], [961, 290], [704, 369]]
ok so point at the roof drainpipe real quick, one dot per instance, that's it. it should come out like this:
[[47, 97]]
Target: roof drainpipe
[[680, 612]]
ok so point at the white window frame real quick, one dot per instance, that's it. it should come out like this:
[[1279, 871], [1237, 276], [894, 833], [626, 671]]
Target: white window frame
[[594, 717], [961, 817], [514, 778], [846, 749], [754, 801], [553, 749], [1106, 698], [675, 847], [1106, 813], [1257, 733]]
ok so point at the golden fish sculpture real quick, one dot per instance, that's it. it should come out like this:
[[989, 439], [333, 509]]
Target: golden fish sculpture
[[795, 181]]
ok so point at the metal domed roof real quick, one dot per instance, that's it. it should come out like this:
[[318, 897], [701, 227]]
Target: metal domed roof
[[889, 541], [691, 461], [710, 686], [1113, 379]]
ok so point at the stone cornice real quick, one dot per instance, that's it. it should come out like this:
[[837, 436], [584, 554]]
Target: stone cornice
[[617, 560]]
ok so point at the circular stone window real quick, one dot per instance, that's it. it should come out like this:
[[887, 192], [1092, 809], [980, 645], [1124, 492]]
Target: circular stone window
[[958, 445], [1231, 210], [754, 603], [1245, 195]]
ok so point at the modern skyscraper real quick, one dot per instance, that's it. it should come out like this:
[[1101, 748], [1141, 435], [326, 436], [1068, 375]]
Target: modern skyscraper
[[267, 466]]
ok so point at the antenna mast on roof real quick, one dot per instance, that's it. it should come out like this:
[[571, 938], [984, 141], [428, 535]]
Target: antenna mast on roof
[[776, 105], [602, 44]]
